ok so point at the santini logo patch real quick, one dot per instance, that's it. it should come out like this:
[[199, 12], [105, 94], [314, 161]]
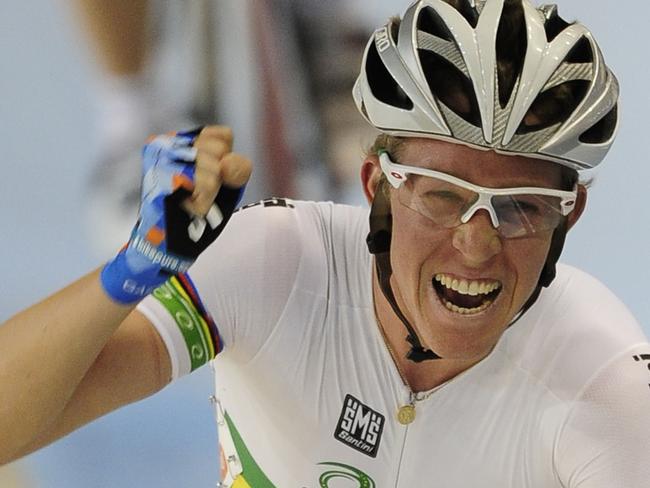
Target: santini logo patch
[[360, 427]]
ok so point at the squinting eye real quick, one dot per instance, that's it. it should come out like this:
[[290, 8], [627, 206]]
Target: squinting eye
[[448, 196], [526, 206]]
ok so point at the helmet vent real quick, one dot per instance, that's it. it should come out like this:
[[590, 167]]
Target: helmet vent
[[382, 84], [554, 25], [603, 130], [554, 106], [394, 29], [511, 46], [364, 111], [450, 85], [581, 52], [465, 8], [429, 21]]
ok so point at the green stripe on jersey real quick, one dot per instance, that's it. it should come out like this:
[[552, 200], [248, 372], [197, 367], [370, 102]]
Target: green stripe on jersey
[[188, 321], [251, 471]]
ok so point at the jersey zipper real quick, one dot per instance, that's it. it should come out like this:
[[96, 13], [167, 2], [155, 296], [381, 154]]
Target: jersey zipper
[[403, 449], [404, 420], [405, 412], [411, 403]]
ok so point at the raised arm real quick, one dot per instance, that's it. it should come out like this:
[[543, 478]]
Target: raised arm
[[67, 360], [83, 352]]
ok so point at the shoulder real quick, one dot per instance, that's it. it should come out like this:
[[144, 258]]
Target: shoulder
[[273, 226], [576, 329], [326, 217], [586, 308], [329, 224], [315, 239]]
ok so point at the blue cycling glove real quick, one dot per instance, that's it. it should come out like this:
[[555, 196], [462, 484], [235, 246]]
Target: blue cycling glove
[[166, 239]]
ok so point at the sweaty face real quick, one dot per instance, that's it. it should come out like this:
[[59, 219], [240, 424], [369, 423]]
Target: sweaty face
[[460, 287]]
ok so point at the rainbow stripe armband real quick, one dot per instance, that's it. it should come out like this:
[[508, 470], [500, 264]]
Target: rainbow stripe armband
[[195, 331]]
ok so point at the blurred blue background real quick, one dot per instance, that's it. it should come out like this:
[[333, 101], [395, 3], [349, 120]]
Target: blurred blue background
[[48, 137]]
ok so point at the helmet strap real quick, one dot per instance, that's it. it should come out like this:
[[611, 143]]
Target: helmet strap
[[378, 240], [548, 273], [557, 244]]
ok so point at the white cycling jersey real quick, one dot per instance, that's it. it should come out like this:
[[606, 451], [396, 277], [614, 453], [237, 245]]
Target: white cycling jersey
[[308, 392]]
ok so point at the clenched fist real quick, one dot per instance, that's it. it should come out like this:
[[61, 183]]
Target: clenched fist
[[191, 186]]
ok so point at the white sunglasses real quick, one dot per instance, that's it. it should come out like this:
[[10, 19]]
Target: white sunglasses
[[449, 201]]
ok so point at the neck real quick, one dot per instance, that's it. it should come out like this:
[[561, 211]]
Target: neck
[[418, 376]]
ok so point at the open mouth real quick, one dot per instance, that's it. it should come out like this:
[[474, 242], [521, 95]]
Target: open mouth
[[466, 297]]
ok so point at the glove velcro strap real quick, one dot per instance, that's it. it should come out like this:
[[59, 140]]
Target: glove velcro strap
[[179, 223]]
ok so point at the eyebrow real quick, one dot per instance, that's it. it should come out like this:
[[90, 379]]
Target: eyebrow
[[516, 182], [396, 157]]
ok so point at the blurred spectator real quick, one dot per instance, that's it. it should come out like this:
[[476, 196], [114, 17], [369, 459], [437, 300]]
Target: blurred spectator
[[12, 476], [279, 72]]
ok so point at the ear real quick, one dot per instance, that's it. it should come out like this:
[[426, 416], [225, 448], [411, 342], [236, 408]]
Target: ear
[[370, 176], [581, 203]]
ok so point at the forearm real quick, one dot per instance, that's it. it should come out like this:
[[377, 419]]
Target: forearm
[[45, 351], [63, 362]]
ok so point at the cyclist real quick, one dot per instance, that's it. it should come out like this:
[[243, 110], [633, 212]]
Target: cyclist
[[457, 352]]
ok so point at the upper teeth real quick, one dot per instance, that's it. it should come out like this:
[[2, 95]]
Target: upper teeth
[[467, 287]]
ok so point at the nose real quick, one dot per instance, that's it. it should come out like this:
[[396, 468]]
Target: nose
[[477, 240]]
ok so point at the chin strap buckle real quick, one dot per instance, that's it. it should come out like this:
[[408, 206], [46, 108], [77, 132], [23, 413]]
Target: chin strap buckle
[[419, 354]]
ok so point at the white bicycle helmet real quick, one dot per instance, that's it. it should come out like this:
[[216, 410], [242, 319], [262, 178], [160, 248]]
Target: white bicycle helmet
[[435, 75]]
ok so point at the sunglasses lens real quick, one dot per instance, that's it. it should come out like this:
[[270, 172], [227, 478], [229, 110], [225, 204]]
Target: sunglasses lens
[[440, 201], [445, 203], [528, 214]]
